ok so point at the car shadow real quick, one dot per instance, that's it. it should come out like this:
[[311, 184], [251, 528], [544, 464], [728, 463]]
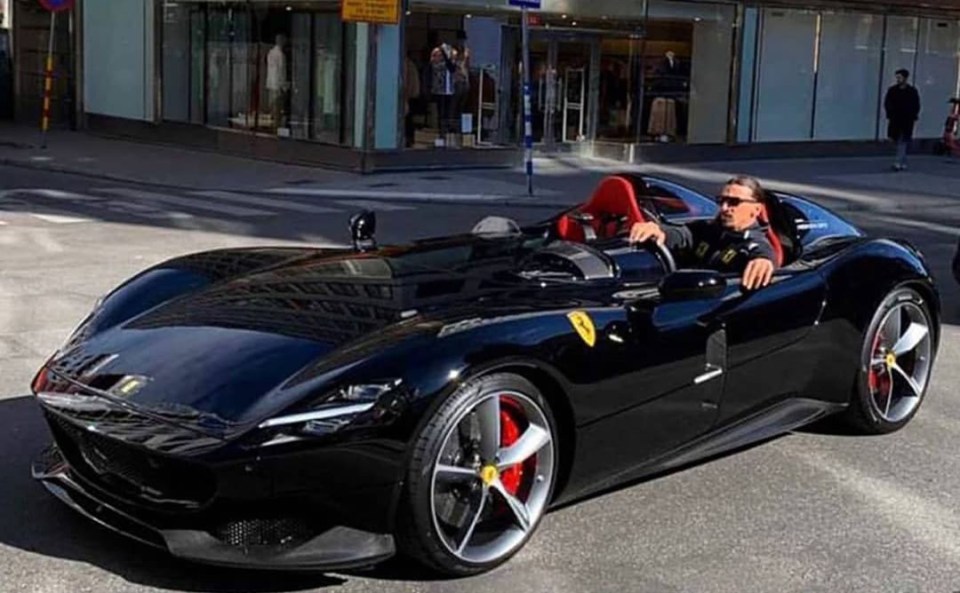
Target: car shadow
[[833, 426], [34, 521]]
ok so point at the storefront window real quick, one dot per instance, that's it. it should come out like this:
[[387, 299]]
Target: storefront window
[[687, 62], [620, 88], [936, 72], [663, 76], [823, 75], [259, 67], [786, 74], [225, 30], [177, 63], [899, 51], [847, 90], [451, 78], [328, 81]]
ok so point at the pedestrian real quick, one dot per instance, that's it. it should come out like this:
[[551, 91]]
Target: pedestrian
[[902, 105]]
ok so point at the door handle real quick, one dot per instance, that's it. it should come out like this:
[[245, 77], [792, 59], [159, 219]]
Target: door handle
[[712, 372]]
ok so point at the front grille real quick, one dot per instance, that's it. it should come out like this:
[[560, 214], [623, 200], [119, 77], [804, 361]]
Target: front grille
[[131, 471], [273, 532]]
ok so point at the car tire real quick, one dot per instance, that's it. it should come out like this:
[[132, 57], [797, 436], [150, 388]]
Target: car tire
[[883, 399], [443, 512]]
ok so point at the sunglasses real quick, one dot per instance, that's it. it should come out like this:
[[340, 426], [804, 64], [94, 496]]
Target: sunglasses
[[732, 201]]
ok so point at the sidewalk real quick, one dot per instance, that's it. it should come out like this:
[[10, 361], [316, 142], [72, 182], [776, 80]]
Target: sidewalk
[[865, 183], [125, 161]]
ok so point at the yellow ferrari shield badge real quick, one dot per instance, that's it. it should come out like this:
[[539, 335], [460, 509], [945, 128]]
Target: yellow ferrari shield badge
[[584, 326]]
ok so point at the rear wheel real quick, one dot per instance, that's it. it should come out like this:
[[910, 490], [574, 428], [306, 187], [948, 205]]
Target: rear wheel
[[896, 360], [481, 476]]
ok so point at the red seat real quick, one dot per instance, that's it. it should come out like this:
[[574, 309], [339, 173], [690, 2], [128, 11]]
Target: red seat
[[612, 199], [772, 236]]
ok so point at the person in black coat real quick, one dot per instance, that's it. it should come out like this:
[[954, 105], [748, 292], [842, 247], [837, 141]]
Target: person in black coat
[[902, 105]]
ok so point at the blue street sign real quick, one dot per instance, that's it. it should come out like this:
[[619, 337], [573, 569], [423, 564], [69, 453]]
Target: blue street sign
[[57, 5], [534, 4]]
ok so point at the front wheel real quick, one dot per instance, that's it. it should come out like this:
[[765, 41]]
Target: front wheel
[[896, 363], [481, 476]]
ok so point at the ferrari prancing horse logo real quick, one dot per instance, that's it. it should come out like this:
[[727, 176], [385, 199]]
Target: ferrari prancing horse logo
[[584, 326]]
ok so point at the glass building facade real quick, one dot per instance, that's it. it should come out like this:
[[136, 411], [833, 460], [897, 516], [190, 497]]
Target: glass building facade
[[260, 68], [607, 76]]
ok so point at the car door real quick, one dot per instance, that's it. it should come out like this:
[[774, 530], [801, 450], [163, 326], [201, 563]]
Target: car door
[[659, 388], [764, 333]]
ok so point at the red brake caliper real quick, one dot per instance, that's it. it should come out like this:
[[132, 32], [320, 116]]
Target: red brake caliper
[[878, 382], [510, 432]]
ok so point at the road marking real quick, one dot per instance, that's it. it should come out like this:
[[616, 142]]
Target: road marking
[[60, 218], [19, 200], [373, 205], [927, 521], [919, 224], [187, 202], [54, 216], [268, 202], [385, 195], [59, 194], [144, 210]]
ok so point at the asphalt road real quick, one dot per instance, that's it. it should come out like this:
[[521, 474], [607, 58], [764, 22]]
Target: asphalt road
[[812, 511]]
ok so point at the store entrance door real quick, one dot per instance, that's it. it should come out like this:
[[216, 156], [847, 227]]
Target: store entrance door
[[574, 103], [563, 99]]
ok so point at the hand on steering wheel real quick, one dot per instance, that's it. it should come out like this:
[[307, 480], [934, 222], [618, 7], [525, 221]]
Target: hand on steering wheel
[[651, 233]]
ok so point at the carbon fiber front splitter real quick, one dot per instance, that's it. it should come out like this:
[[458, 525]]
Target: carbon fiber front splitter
[[337, 548]]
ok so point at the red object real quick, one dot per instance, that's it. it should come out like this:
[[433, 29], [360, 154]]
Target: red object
[[772, 236], [614, 197], [950, 143], [57, 5], [512, 425]]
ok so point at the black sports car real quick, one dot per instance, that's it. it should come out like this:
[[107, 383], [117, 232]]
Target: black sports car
[[328, 408]]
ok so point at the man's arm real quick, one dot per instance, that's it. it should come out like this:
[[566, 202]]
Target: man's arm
[[761, 264], [674, 237], [762, 249], [678, 237]]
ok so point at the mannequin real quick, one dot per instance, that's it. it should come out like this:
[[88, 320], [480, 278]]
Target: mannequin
[[461, 81], [277, 84], [443, 63], [670, 87]]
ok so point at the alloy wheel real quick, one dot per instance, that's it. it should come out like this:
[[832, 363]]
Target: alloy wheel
[[492, 477], [899, 364]]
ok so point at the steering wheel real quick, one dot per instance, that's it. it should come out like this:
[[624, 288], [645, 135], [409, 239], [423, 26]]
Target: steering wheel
[[650, 215], [665, 256]]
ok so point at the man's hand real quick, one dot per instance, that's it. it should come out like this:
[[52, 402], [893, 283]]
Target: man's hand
[[642, 231], [758, 273]]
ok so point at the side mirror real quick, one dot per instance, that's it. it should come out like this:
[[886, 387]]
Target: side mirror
[[688, 285], [363, 230]]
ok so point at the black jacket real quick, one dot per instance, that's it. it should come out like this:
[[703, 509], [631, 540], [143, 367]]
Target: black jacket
[[707, 244], [902, 106]]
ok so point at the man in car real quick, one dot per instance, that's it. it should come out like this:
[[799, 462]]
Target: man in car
[[734, 241]]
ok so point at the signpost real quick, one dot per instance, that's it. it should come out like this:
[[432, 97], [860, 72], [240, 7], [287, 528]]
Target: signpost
[[380, 12], [53, 6], [527, 116]]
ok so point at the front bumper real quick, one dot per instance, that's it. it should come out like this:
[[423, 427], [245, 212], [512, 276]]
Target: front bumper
[[336, 548]]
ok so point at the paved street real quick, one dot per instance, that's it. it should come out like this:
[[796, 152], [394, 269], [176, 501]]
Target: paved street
[[810, 512]]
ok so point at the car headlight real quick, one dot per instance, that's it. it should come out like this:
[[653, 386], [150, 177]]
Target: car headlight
[[350, 405]]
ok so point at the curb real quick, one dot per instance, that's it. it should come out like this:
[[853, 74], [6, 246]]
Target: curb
[[518, 201]]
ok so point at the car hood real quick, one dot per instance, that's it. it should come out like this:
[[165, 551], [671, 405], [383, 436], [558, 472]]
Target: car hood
[[221, 351]]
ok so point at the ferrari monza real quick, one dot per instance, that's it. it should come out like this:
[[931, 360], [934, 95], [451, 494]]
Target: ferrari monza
[[329, 408]]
